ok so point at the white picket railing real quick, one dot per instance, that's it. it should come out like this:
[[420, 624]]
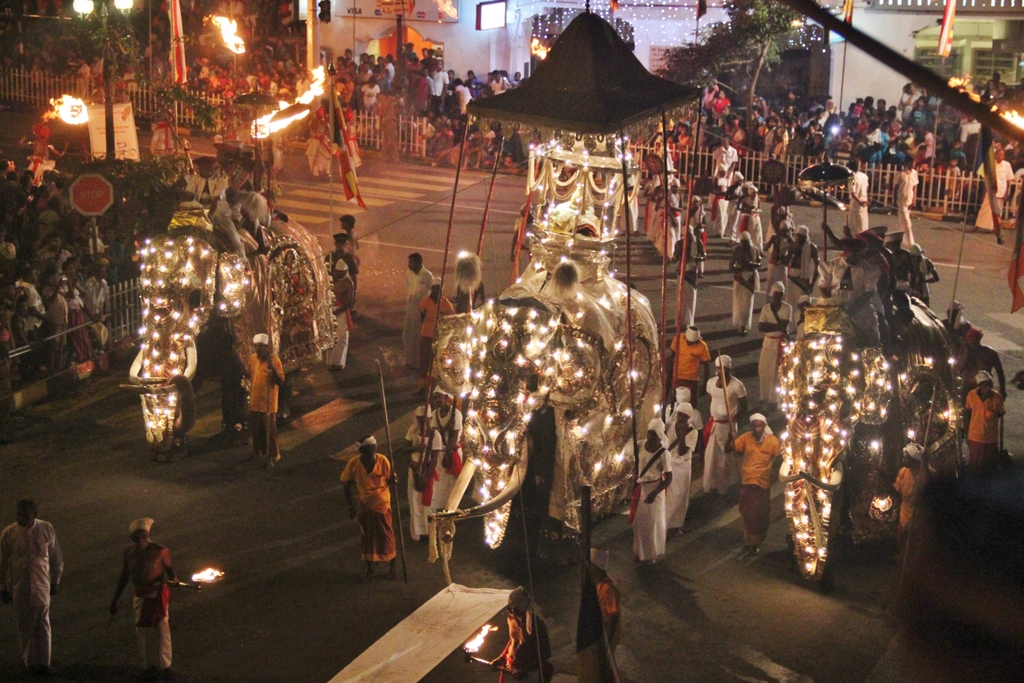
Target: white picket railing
[[36, 88], [938, 193], [124, 310]]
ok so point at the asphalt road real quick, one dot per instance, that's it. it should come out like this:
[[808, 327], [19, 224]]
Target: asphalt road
[[291, 607]]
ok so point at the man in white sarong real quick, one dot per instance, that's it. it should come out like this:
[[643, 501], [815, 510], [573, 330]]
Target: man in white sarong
[[859, 201], [418, 512], [682, 444], [719, 204], [773, 323], [719, 468], [318, 150], [801, 269], [30, 569], [905, 192], [148, 566], [746, 280], [344, 297], [683, 395], [732, 219], [725, 159], [648, 517], [417, 285], [749, 211], [446, 444]]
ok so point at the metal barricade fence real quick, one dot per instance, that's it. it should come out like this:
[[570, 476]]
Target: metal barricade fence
[[124, 310]]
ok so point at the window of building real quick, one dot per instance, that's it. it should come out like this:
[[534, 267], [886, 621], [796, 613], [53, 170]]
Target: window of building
[[987, 62], [950, 66]]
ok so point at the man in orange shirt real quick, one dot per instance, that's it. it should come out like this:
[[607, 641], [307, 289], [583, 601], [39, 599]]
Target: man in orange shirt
[[758, 448], [984, 409], [430, 307], [690, 360], [906, 486], [266, 374], [370, 476]]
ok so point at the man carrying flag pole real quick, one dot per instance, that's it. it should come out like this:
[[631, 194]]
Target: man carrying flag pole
[[345, 149], [1017, 264], [998, 174], [179, 71]]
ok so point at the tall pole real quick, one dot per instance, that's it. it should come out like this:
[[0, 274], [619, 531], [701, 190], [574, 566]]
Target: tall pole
[[331, 73], [312, 37], [108, 86], [627, 207], [666, 222], [391, 454]]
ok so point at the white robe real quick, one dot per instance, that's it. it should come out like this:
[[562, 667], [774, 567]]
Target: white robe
[[859, 203], [418, 512], [743, 302], [443, 486], [649, 524], [689, 303], [906, 193], [719, 467], [154, 641], [30, 561], [677, 495], [771, 346], [806, 270], [417, 286]]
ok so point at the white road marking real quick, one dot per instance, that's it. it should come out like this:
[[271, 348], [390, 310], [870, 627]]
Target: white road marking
[[1008, 319], [367, 241], [941, 264], [759, 660]]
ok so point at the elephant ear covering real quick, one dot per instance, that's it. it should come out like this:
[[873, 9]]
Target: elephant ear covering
[[468, 273], [566, 281]]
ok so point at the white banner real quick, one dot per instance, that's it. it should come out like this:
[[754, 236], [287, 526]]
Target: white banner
[[126, 136], [445, 11], [410, 650]]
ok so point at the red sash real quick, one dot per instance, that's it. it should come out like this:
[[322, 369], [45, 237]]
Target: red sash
[[154, 609]]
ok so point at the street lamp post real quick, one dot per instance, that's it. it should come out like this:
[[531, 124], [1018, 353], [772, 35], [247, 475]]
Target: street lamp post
[[84, 7]]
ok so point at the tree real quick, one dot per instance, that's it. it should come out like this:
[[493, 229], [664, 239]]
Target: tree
[[750, 42]]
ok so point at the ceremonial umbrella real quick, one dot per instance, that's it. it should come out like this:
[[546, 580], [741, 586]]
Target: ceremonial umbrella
[[826, 174]]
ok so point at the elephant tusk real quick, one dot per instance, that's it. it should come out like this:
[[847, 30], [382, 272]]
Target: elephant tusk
[[832, 486], [784, 476], [190, 362], [133, 373], [461, 484], [514, 484]]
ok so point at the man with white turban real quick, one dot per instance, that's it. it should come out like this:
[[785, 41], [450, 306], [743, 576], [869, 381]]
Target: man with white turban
[[367, 479], [758, 449], [445, 444], [801, 269], [682, 444], [266, 375], [859, 202], [728, 402], [30, 569], [773, 323], [647, 513], [746, 280], [148, 566]]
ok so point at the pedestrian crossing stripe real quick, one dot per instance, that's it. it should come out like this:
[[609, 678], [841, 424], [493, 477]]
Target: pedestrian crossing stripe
[[308, 220], [302, 203], [340, 194], [388, 183]]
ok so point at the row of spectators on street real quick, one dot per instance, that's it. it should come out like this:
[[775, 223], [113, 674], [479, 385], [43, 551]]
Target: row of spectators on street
[[917, 127], [55, 278]]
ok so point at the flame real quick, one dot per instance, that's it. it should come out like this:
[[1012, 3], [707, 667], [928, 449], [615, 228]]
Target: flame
[[1014, 117], [537, 48], [228, 31], [70, 109], [263, 126], [208, 575], [474, 645], [961, 85]]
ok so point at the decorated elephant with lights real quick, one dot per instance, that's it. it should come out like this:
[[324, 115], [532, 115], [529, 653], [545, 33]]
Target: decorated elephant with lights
[[560, 334], [850, 412], [191, 273]]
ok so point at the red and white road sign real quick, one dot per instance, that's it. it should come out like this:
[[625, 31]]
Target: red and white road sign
[[91, 194]]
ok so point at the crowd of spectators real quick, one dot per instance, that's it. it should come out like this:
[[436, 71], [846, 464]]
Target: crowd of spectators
[[918, 127], [55, 277]]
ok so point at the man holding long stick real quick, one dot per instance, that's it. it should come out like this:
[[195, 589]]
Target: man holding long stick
[[728, 402], [371, 476]]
